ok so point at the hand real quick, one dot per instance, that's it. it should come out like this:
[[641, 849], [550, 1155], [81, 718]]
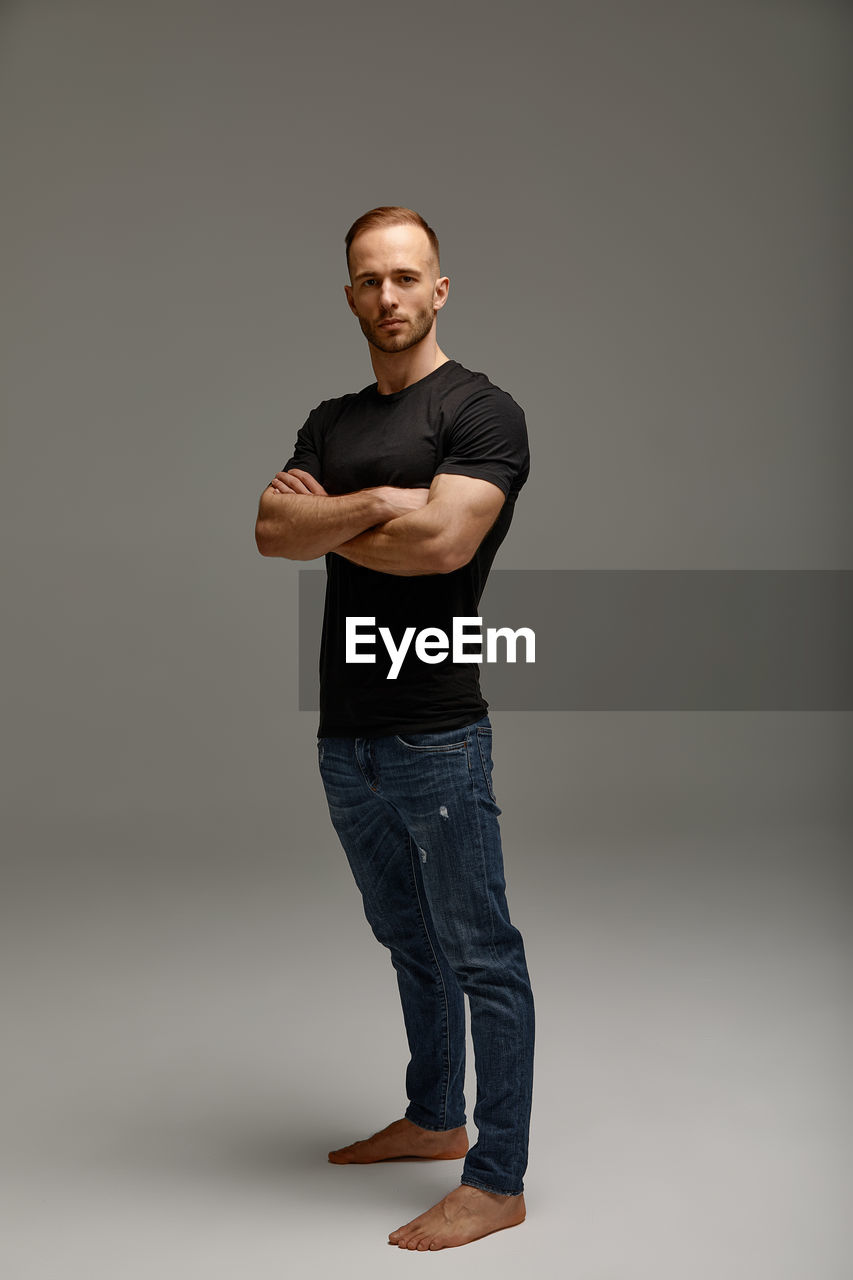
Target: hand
[[296, 481], [401, 500]]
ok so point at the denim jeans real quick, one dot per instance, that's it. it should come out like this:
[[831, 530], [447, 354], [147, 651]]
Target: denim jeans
[[418, 821]]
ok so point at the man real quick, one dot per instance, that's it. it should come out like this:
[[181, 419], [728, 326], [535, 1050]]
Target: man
[[408, 489]]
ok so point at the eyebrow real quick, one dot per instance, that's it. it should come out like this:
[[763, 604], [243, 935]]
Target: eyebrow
[[398, 271]]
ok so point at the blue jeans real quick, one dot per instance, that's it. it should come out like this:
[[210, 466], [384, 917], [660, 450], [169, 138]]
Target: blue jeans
[[418, 821]]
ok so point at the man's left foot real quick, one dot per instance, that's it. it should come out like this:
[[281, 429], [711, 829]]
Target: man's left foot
[[466, 1214]]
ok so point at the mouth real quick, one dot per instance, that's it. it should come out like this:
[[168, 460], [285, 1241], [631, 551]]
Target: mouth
[[389, 324]]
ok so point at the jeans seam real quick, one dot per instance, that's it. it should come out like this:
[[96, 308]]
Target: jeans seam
[[495, 956], [486, 776], [482, 856], [374, 790], [412, 851]]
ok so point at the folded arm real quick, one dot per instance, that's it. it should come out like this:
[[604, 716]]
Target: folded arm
[[298, 520], [438, 537]]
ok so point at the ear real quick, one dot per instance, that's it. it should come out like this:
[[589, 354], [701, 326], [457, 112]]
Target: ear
[[439, 292], [348, 292]]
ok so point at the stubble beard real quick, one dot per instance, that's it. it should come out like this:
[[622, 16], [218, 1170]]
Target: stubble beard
[[414, 332]]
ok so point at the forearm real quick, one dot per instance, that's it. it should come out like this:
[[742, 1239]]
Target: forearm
[[408, 546], [303, 526]]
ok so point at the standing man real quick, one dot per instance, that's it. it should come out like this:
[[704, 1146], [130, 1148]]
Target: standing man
[[408, 489]]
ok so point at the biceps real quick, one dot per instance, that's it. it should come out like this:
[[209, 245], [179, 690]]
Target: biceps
[[464, 510], [467, 506]]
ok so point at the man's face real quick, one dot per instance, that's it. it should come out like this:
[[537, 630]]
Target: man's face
[[395, 290]]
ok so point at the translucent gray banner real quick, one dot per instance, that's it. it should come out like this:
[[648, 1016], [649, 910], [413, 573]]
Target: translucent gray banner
[[650, 639]]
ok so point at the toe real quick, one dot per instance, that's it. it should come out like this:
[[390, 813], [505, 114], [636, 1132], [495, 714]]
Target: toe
[[410, 1230]]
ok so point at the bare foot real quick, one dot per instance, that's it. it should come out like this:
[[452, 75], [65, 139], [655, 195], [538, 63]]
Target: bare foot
[[466, 1214], [403, 1140]]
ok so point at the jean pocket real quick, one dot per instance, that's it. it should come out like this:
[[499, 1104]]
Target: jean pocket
[[484, 745], [444, 740]]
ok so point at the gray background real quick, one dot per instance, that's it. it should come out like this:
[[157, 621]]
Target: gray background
[[643, 209]]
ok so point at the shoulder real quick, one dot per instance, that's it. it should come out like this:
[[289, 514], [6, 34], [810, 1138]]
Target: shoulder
[[329, 411], [485, 434], [334, 406], [469, 390]]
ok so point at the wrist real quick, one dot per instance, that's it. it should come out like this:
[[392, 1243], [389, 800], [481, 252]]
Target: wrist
[[378, 509]]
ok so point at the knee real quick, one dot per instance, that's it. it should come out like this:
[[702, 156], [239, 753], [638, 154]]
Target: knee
[[487, 962]]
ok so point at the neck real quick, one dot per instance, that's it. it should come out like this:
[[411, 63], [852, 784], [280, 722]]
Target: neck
[[398, 369]]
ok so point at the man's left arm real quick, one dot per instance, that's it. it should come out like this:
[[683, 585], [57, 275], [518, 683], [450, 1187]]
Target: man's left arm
[[439, 537]]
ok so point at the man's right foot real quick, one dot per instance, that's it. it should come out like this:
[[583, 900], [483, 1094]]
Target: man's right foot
[[403, 1140]]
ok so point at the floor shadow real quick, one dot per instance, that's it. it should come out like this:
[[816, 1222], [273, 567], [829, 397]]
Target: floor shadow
[[243, 1145]]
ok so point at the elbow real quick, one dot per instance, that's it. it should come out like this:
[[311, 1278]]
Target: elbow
[[453, 563], [268, 542], [271, 533], [271, 542], [262, 541], [447, 557]]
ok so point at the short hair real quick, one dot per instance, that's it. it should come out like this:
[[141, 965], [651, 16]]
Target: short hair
[[391, 215]]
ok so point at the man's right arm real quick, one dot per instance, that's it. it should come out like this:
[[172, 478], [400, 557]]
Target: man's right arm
[[298, 520]]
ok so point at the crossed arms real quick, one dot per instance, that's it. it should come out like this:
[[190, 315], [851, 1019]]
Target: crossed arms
[[400, 531]]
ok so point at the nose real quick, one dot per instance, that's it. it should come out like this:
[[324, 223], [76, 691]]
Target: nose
[[387, 297]]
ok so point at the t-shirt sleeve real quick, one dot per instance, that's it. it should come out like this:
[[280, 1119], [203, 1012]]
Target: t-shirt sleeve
[[487, 439], [307, 453]]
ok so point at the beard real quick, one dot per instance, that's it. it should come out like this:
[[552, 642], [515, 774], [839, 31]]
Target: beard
[[414, 331]]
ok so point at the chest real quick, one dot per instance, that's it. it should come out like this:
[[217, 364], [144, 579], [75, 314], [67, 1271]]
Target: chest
[[400, 445]]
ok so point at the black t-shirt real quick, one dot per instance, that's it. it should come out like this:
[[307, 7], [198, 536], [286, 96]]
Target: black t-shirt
[[452, 422]]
